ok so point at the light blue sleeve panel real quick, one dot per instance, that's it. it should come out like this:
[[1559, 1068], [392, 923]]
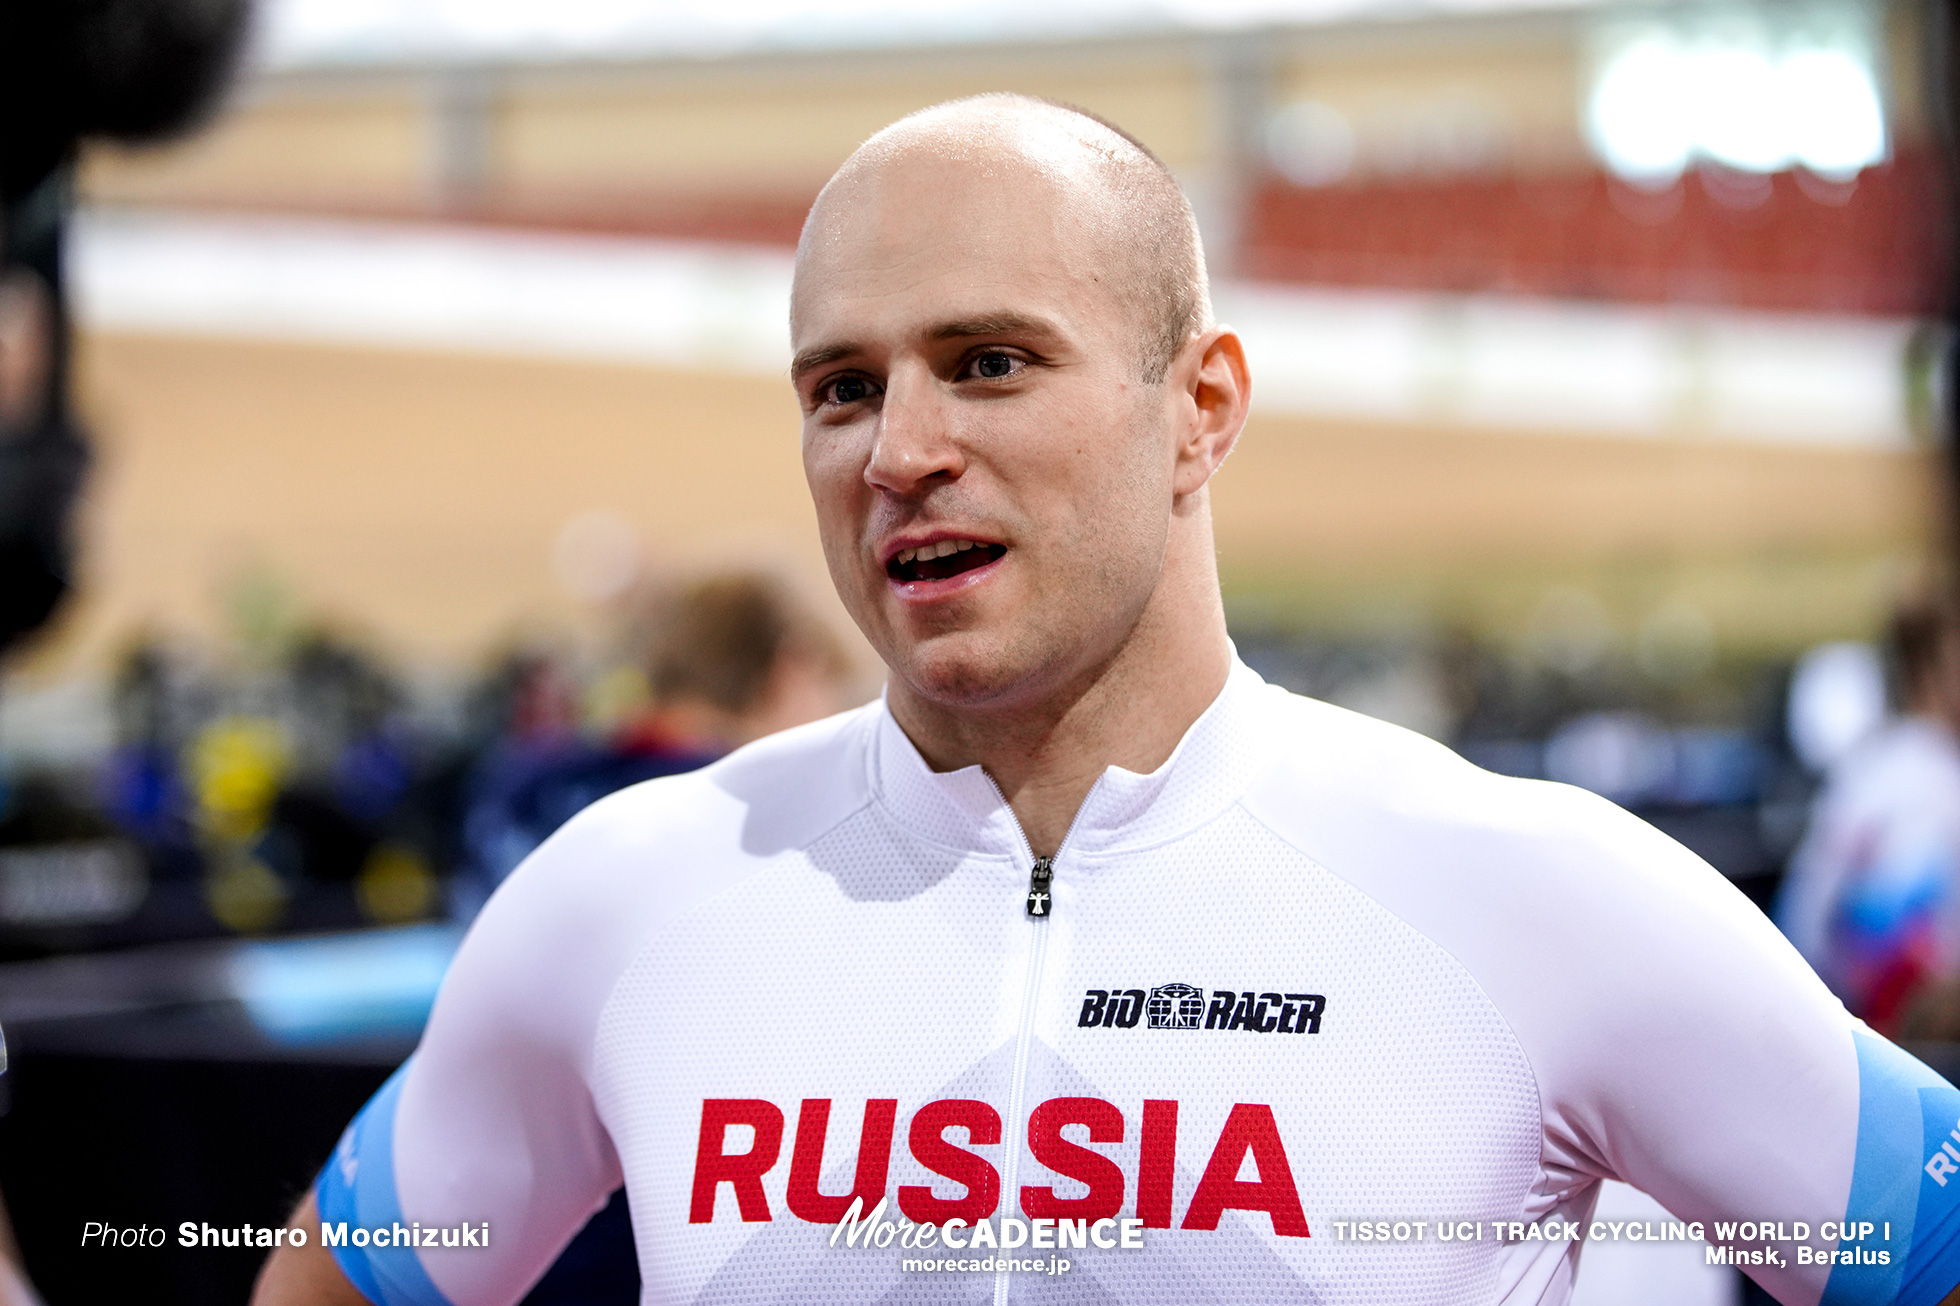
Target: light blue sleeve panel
[[357, 1189], [1905, 1182]]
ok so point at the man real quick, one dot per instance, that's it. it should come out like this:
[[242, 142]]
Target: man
[[1872, 899], [1084, 924]]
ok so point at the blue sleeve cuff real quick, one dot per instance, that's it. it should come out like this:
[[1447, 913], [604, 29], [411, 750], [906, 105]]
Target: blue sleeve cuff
[[360, 1213], [1905, 1182]]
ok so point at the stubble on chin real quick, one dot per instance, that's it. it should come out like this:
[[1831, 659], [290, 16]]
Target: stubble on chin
[[963, 670]]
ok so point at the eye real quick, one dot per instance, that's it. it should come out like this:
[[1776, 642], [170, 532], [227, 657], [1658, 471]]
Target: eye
[[844, 390], [994, 365]]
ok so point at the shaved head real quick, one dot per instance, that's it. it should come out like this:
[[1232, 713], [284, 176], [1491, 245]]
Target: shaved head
[[1144, 236], [1013, 399]]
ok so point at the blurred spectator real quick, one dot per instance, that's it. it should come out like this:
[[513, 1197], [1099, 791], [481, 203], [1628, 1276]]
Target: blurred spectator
[[727, 659], [734, 658], [347, 809], [142, 787], [1873, 894]]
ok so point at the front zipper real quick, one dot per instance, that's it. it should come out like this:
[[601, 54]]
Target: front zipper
[[1040, 905], [1043, 875], [1017, 1089]]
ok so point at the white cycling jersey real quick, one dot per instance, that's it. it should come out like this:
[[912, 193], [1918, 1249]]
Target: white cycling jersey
[[1313, 974]]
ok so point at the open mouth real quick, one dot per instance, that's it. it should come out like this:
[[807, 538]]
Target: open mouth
[[942, 559]]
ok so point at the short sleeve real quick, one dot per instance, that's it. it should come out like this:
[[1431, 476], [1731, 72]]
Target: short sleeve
[[486, 1150]]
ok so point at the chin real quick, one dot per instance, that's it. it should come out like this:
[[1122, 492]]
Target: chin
[[964, 670]]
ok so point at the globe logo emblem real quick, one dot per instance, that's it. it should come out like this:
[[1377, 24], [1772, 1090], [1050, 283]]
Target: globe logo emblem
[[1175, 1006]]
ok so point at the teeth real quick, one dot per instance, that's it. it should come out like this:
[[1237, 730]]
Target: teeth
[[927, 552]]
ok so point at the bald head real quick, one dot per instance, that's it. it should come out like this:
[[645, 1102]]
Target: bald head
[[1013, 401], [1142, 240]]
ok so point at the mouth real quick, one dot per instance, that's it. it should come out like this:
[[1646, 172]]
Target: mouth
[[942, 560]]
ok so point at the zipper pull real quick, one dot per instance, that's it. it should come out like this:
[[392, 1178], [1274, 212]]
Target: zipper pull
[[1038, 881]]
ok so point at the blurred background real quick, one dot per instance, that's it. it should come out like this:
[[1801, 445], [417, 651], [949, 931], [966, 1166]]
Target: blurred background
[[441, 476]]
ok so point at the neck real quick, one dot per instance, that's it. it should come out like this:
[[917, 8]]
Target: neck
[[1130, 710]]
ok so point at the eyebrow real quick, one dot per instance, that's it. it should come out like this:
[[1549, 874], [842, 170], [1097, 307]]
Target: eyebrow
[[991, 324], [994, 324], [811, 358]]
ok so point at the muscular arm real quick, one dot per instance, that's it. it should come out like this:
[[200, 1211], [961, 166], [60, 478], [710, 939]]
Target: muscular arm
[[304, 1276]]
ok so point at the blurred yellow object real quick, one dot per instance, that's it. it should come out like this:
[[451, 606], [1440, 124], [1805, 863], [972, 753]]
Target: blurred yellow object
[[616, 697], [395, 885], [244, 894], [236, 765]]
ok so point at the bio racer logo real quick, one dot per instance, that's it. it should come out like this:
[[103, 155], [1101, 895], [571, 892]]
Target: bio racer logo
[[1183, 1006]]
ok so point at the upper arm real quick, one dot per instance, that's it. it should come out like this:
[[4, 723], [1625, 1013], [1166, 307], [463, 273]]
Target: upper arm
[[1733, 1087], [489, 1134], [1905, 1181], [303, 1273]]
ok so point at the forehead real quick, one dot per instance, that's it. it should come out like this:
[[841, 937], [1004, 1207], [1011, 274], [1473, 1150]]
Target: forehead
[[928, 235]]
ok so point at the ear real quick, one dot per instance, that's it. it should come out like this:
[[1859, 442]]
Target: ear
[[1211, 372]]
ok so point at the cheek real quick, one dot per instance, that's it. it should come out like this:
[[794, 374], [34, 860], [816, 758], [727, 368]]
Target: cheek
[[834, 470], [1116, 477], [835, 478], [1118, 519]]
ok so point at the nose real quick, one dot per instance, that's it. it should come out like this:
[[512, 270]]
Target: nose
[[915, 446]]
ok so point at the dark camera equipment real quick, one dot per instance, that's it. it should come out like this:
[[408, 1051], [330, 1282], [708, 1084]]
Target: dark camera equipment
[[72, 70]]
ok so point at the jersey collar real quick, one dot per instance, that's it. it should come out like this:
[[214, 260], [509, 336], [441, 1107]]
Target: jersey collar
[[1125, 812]]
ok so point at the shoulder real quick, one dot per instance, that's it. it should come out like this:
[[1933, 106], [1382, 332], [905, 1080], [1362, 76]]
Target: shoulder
[[1406, 819], [774, 795], [1352, 787], [548, 946], [1583, 923]]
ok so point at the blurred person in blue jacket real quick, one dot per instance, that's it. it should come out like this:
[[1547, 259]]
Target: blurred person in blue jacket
[[1872, 899], [729, 658]]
